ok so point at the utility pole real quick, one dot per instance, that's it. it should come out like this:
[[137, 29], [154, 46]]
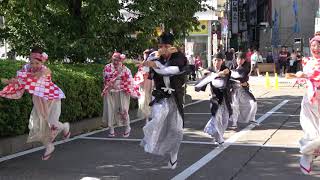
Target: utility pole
[[226, 18], [2, 26]]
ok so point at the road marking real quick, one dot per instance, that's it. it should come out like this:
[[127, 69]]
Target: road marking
[[8, 157], [139, 140], [5, 158], [258, 114], [268, 146], [196, 102], [197, 113], [194, 142], [214, 153], [112, 139], [280, 114]]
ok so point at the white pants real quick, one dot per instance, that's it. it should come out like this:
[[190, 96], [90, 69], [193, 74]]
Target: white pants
[[145, 99], [244, 108], [44, 115], [116, 108], [310, 121]]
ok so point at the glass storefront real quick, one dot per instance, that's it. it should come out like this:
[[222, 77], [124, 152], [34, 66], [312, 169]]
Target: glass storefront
[[200, 47]]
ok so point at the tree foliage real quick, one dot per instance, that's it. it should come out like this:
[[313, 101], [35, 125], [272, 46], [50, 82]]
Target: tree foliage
[[83, 29]]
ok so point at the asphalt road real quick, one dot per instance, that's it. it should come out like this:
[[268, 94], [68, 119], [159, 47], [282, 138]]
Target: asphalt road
[[268, 151]]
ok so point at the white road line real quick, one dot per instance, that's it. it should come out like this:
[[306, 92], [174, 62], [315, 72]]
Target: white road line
[[211, 155], [192, 142], [5, 158], [275, 99], [196, 102], [286, 115], [267, 146], [139, 140], [197, 113], [112, 139], [258, 114]]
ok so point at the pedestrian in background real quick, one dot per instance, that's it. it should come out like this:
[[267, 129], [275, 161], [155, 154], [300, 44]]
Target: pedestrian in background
[[255, 59], [284, 57], [248, 55], [269, 57], [198, 66], [191, 61], [229, 57], [293, 62]]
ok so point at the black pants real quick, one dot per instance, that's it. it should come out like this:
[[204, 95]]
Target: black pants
[[285, 66], [193, 72]]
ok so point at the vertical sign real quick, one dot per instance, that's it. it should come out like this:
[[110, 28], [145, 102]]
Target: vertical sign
[[317, 25], [224, 23], [317, 19], [214, 44], [235, 16], [189, 48], [242, 16]]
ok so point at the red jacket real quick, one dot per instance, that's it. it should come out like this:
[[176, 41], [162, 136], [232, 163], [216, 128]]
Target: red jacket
[[198, 63]]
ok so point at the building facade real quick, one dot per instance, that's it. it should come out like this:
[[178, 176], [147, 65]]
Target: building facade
[[273, 23], [293, 23], [204, 42]]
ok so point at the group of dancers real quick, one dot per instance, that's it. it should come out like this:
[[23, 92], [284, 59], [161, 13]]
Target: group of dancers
[[231, 100], [159, 86]]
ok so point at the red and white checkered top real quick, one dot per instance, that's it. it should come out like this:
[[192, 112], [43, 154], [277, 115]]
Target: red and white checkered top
[[311, 67], [42, 87], [140, 76], [119, 79]]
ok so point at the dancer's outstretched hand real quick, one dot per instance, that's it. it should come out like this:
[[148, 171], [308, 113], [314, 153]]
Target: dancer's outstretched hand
[[300, 74], [8, 81], [290, 75], [4, 81]]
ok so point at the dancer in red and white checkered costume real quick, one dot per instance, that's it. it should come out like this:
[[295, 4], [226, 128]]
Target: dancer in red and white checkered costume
[[35, 78], [118, 87], [143, 79]]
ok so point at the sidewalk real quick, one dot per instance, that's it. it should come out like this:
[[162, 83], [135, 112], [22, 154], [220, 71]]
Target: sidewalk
[[282, 81]]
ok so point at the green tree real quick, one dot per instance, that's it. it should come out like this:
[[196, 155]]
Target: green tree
[[81, 29]]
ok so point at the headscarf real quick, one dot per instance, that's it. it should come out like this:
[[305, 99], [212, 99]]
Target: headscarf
[[43, 57], [117, 59]]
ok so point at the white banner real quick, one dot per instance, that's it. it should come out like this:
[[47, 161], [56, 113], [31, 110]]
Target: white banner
[[235, 16], [317, 25], [189, 49], [214, 44]]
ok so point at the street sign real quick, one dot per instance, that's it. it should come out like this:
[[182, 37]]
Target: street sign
[[202, 28], [297, 40], [235, 17]]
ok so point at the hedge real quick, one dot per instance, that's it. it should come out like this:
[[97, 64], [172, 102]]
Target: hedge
[[81, 83]]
